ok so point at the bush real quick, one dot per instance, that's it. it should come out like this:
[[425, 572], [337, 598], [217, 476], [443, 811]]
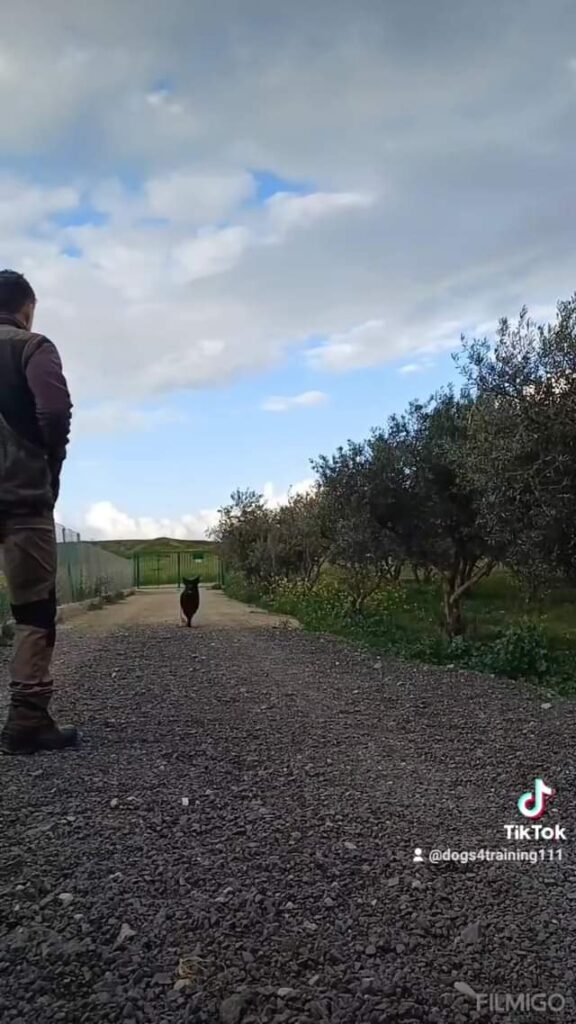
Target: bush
[[522, 652]]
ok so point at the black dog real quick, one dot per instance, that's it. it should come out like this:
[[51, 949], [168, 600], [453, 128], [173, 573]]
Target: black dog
[[190, 599]]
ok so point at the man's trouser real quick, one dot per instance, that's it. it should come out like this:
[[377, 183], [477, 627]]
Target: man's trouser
[[30, 560]]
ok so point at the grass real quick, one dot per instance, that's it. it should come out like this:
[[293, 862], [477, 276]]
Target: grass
[[506, 636]]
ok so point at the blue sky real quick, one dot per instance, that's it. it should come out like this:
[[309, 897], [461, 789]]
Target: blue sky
[[226, 439], [224, 213]]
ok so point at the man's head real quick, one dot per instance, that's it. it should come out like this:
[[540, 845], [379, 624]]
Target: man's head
[[17, 296]]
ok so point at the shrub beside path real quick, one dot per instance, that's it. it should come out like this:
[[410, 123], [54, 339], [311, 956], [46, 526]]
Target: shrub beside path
[[235, 840]]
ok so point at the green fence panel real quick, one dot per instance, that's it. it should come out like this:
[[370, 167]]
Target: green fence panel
[[168, 568]]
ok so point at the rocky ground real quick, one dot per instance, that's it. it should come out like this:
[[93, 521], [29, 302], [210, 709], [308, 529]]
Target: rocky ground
[[235, 840]]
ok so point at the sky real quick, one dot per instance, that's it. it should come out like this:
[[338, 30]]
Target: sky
[[257, 230]]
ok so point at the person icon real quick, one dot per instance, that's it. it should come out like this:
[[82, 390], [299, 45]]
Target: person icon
[[418, 858]]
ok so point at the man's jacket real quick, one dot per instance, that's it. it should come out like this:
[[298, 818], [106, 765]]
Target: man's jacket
[[35, 415]]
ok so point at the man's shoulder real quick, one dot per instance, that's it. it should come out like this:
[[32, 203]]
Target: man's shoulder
[[21, 335]]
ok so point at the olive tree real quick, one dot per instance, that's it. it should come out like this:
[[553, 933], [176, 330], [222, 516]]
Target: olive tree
[[366, 553], [421, 495], [522, 452]]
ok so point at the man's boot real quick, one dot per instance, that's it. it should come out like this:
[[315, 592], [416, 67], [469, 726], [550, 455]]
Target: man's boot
[[29, 729]]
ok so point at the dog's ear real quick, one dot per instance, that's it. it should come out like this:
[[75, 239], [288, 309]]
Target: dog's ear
[[196, 580], [186, 582]]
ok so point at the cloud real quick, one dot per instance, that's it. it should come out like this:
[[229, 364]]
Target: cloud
[[143, 294], [370, 343], [439, 184], [161, 99], [24, 207], [103, 521], [417, 367], [287, 212], [110, 418], [410, 368], [211, 252], [361, 346], [274, 498], [306, 399], [198, 198]]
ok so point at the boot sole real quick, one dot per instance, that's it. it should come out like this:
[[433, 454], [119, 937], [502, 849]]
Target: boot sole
[[29, 750]]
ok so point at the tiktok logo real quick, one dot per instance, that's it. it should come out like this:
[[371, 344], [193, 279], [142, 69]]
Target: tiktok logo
[[533, 805]]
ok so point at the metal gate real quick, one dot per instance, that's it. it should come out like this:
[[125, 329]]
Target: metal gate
[[168, 568]]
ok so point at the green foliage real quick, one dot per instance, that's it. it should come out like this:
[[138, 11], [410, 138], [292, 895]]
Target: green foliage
[[522, 652], [401, 619], [420, 493], [471, 484], [269, 544], [358, 545], [522, 456]]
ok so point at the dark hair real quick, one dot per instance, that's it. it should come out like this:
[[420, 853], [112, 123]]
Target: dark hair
[[15, 291]]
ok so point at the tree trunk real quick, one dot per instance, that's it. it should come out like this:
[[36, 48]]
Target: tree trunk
[[453, 617], [455, 625], [454, 592]]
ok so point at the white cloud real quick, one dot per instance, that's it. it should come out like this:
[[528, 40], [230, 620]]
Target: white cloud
[[360, 346], [274, 498], [162, 99], [25, 206], [292, 211], [103, 521], [198, 198], [283, 404], [209, 253], [419, 213], [145, 299], [410, 368], [113, 417]]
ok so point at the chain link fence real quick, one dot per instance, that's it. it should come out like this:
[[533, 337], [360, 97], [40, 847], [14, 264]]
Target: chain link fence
[[85, 571]]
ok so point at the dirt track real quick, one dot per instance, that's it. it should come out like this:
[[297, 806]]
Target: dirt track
[[234, 841], [158, 607]]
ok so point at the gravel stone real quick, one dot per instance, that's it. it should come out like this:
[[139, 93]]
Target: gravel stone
[[232, 1008], [287, 887]]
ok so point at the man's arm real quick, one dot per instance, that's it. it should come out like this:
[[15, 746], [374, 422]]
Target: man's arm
[[53, 405]]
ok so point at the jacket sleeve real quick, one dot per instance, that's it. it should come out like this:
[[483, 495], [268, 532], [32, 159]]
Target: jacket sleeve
[[53, 405]]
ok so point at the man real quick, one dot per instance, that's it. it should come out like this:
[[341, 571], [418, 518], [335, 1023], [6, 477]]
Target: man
[[35, 413]]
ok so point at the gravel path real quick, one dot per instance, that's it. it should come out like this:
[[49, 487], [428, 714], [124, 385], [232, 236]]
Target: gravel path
[[235, 840], [161, 605]]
